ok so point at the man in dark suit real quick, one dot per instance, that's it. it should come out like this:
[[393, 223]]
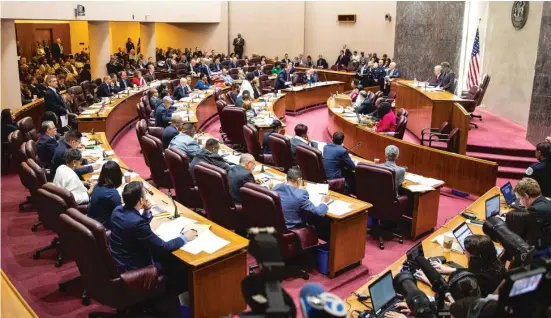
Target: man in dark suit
[[283, 79], [104, 89], [436, 79], [210, 155], [163, 112], [150, 75], [240, 174], [258, 72], [123, 82], [53, 100], [47, 143], [300, 138], [286, 59], [321, 63], [132, 243], [448, 78], [57, 50], [216, 66], [181, 90], [337, 162], [238, 44], [71, 140], [111, 66], [173, 129]]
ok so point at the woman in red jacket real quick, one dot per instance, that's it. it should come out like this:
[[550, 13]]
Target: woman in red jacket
[[138, 80], [388, 119]]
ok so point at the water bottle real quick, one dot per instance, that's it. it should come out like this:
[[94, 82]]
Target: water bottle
[[309, 83], [415, 81]]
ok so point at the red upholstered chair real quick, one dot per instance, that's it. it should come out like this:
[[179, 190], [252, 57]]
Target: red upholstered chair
[[262, 208], [448, 142], [400, 129], [86, 241], [310, 162], [473, 99], [26, 126], [434, 134], [376, 184], [267, 69], [253, 146], [232, 120], [152, 148], [220, 105], [265, 84], [215, 194], [178, 167], [174, 83], [19, 156], [79, 99], [141, 130], [141, 110], [234, 73], [281, 151], [30, 150], [299, 78], [156, 132], [229, 98], [41, 179], [32, 179], [334, 67]]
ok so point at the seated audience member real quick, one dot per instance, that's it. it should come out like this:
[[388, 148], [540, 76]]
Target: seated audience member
[[105, 197], [301, 137], [483, 263], [258, 72], [203, 84], [47, 143], [388, 119], [173, 129], [247, 85], [182, 90], [132, 243], [123, 82], [85, 74], [225, 76], [185, 142], [539, 207], [541, 171], [365, 106], [234, 93], [104, 90], [249, 111], [245, 96], [309, 62], [32, 84], [8, 124], [138, 79], [216, 66], [256, 88], [337, 162], [61, 85], [392, 153], [295, 202], [154, 100], [210, 155], [276, 69], [66, 177], [71, 140], [275, 127], [163, 113], [240, 174], [111, 66], [462, 308], [114, 86]]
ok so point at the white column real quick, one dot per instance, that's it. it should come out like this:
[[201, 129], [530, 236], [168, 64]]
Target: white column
[[100, 47], [147, 39], [11, 97]]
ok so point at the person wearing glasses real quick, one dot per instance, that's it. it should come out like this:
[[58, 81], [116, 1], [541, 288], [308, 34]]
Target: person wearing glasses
[[240, 174]]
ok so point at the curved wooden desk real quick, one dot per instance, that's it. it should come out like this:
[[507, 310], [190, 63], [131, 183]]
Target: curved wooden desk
[[33, 109], [460, 172], [429, 108], [207, 273], [303, 96]]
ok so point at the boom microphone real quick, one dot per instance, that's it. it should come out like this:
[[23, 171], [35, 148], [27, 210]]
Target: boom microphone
[[438, 283]]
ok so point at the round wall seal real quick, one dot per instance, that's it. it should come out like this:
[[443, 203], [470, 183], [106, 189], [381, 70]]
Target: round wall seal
[[519, 14]]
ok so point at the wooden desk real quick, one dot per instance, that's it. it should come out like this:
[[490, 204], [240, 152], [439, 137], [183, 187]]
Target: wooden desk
[[430, 109], [297, 100], [459, 172], [13, 304], [330, 75], [208, 274], [275, 105], [433, 249], [33, 109]]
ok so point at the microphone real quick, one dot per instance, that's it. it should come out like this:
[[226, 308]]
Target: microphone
[[316, 303], [273, 167], [176, 215], [358, 144]]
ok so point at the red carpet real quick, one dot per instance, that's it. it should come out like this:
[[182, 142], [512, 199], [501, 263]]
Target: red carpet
[[37, 280]]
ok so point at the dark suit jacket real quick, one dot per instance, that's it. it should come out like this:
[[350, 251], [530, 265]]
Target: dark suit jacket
[[58, 159], [322, 63], [133, 243], [295, 142], [258, 73], [54, 103], [169, 133], [237, 177], [35, 90], [45, 148], [56, 51], [448, 81], [179, 93], [111, 68], [215, 67], [163, 116], [335, 160], [104, 90], [280, 80], [123, 84], [149, 77], [210, 158], [436, 81], [366, 107]]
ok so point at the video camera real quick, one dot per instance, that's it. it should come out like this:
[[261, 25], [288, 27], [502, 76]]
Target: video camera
[[406, 285], [513, 244]]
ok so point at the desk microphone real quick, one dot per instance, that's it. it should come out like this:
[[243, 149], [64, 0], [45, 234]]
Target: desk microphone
[[358, 144], [273, 167], [176, 215]]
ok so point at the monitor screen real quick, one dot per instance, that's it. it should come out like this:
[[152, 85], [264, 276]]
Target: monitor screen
[[525, 285], [461, 233], [492, 206], [381, 291], [415, 251], [508, 194]]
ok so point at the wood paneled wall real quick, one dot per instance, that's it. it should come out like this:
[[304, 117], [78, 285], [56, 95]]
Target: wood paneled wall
[[25, 33]]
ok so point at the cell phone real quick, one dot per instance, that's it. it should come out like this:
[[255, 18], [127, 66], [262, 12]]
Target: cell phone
[[468, 215]]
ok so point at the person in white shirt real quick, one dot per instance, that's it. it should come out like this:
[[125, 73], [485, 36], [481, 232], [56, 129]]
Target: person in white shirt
[[356, 57], [228, 80], [66, 177], [246, 85]]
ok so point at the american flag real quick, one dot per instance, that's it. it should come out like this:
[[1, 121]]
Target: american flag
[[474, 67]]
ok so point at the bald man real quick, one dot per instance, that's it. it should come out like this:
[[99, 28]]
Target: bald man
[[240, 174], [182, 90]]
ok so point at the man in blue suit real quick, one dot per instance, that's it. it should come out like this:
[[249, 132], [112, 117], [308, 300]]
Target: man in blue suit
[[71, 140], [104, 90], [300, 138], [181, 90], [216, 67], [47, 143], [337, 162], [163, 113], [295, 202], [283, 79], [123, 82], [132, 242]]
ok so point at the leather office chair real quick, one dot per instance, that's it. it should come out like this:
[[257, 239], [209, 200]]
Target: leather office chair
[[232, 120], [434, 133], [400, 129], [30, 150], [85, 239], [152, 148], [234, 73], [265, 84], [250, 69], [141, 110], [215, 194], [26, 127], [230, 100], [253, 146], [141, 130], [79, 99], [220, 105], [299, 78], [187, 192], [310, 162], [258, 199], [376, 184], [267, 69], [334, 67], [281, 151], [156, 132], [174, 83], [19, 156], [41, 179], [448, 142], [472, 101]]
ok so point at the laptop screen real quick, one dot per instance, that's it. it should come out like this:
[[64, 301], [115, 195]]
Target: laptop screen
[[492, 206], [508, 194], [415, 251], [382, 291], [461, 233]]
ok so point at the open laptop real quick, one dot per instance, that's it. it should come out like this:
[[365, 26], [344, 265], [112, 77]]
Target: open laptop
[[463, 231], [510, 198], [492, 209], [383, 295]]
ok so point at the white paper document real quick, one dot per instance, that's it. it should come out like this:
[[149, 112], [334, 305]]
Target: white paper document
[[64, 120], [316, 191], [439, 239], [419, 188], [339, 207], [431, 182], [232, 159], [321, 144], [413, 177], [207, 242], [171, 230], [89, 112]]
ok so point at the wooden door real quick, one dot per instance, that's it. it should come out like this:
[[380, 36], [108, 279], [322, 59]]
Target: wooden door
[[42, 35]]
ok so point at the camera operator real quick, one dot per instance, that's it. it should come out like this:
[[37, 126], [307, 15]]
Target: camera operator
[[461, 308], [539, 208], [483, 263]]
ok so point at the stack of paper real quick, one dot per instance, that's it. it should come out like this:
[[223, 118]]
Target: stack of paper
[[413, 177], [103, 161], [89, 112], [430, 182], [205, 242], [339, 207], [419, 188], [316, 191], [172, 229], [321, 144], [232, 158]]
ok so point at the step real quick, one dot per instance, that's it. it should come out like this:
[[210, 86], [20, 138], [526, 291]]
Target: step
[[510, 172], [505, 160], [502, 151]]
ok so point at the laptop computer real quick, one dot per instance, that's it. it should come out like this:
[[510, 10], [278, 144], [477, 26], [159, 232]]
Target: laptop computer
[[492, 209], [383, 295], [510, 198], [463, 231]]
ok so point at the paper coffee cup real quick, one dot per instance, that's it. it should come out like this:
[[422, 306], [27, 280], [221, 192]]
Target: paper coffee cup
[[448, 242], [376, 160], [127, 177]]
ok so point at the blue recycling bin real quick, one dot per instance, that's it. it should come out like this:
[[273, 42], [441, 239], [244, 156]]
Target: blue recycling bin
[[323, 259]]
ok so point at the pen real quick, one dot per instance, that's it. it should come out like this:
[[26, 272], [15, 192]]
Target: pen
[[164, 201], [328, 203]]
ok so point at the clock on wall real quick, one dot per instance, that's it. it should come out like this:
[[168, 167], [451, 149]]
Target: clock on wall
[[519, 14]]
